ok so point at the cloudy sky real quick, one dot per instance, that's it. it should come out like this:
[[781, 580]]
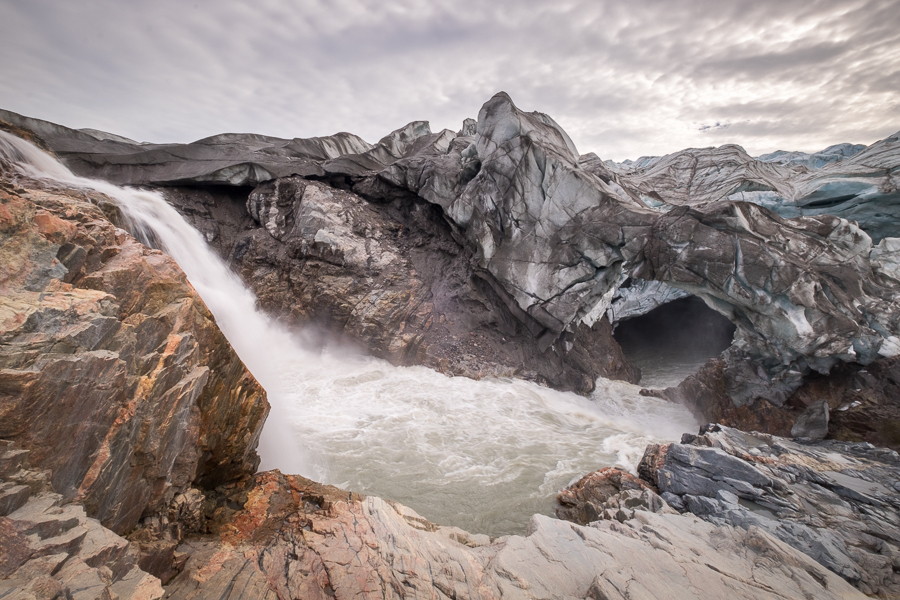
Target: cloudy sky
[[624, 78]]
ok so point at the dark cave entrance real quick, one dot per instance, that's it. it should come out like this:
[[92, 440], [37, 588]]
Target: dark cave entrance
[[672, 341]]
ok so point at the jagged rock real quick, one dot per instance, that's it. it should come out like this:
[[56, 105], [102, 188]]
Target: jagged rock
[[701, 175], [51, 549], [470, 126], [813, 160], [609, 493], [554, 234], [864, 402], [834, 501], [560, 240], [295, 539], [390, 277], [639, 297], [813, 422], [115, 353], [853, 182]]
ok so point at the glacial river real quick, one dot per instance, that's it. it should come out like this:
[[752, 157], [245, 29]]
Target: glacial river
[[481, 455]]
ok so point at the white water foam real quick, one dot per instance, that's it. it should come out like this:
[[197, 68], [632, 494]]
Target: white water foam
[[482, 455]]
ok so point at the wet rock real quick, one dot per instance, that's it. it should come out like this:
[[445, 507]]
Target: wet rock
[[864, 402], [834, 501], [560, 239], [391, 278], [118, 356], [554, 235], [813, 422]]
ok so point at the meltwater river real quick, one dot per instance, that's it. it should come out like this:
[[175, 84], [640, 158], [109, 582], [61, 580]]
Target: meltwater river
[[481, 455]]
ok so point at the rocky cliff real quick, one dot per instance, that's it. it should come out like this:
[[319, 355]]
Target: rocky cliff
[[113, 374]]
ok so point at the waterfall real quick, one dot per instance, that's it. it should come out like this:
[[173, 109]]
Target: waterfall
[[482, 455]]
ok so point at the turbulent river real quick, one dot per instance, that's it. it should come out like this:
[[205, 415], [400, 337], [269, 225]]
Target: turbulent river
[[481, 455]]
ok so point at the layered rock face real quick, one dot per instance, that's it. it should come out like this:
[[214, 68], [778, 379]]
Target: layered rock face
[[560, 240], [854, 182], [112, 371], [389, 277], [233, 159], [863, 402], [52, 549], [105, 343], [834, 501]]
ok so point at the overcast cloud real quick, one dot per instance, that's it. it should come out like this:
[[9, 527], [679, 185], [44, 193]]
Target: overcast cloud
[[623, 78]]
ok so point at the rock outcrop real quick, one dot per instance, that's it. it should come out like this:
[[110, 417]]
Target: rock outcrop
[[113, 373], [52, 549], [834, 501], [813, 160], [863, 402], [560, 240], [231, 158], [103, 342], [292, 538], [389, 277]]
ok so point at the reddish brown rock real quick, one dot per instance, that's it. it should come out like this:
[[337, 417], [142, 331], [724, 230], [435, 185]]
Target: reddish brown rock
[[291, 538], [602, 494], [112, 370]]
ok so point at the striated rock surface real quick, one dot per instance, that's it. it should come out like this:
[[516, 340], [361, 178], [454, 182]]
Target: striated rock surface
[[813, 160], [231, 158], [638, 297], [165, 419], [559, 241], [834, 501], [701, 175], [52, 549], [292, 538], [390, 277], [863, 402], [105, 347], [855, 182]]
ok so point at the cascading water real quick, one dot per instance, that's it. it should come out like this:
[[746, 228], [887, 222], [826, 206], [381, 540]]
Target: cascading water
[[481, 455]]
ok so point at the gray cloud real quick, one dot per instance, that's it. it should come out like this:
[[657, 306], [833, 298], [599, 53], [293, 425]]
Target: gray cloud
[[624, 79]]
